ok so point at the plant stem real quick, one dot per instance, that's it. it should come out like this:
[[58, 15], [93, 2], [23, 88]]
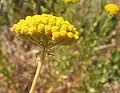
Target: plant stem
[[39, 68]]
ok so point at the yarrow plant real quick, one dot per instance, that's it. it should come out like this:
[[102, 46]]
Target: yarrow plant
[[113, 9], [48, 31], [41, 28]]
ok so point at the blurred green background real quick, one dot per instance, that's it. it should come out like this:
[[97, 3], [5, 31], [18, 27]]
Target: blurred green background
[[91, 65]]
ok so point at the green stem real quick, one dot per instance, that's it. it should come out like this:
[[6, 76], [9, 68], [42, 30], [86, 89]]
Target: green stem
[[39, 68]]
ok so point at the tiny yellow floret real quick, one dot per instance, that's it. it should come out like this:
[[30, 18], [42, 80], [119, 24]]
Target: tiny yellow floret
[[63, 33], [76, 36], [28, 18], [56, 35], [113, 9], [70, 34], [41, 28]]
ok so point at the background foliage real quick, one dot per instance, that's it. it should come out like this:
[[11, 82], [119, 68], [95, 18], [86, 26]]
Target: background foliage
[[89, 66]]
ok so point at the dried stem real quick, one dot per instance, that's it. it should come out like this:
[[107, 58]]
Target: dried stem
[[39, 68]]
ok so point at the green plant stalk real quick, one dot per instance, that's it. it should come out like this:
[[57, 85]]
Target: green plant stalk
[[39, 68]]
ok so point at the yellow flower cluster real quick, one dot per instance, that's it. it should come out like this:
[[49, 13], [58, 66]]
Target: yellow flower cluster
[[46, 25], [112, 9], [72, 1], [118, 49]]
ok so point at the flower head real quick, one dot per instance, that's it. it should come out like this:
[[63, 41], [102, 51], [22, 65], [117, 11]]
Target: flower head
[[112, 9], [46, 27]]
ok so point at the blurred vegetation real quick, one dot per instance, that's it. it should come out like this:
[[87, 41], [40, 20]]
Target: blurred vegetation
[[100, 72], [5, 69], [83, 59]]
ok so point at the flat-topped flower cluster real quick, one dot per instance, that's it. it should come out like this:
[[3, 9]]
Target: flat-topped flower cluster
[[113, 9], [46, 25]]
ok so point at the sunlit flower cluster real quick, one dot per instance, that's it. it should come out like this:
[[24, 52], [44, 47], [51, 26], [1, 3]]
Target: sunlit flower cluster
[[113, 9], [46, 26], [118, 49], [72, 1]]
